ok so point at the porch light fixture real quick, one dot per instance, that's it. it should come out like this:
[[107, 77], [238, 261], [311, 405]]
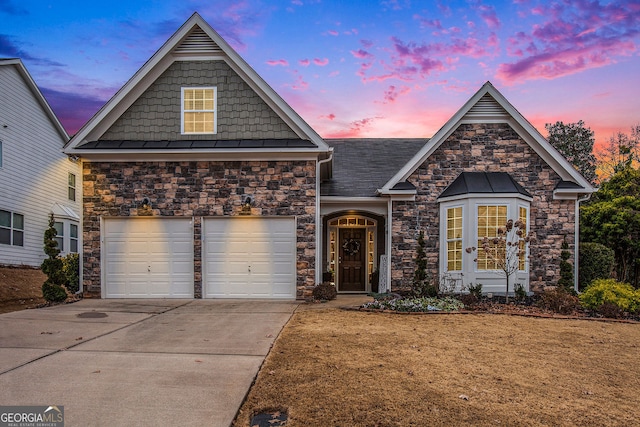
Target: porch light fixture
[[146, 203], [247, 202]]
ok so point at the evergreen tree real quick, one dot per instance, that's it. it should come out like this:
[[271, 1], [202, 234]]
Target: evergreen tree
[[566, 269], [422, 286], [52, 266]]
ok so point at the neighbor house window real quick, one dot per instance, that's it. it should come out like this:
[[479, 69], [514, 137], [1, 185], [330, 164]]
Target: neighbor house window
[[199, 110], [11, 228], [489, 220], [454, 239], [59, 226], [72, 187], [73, 238]]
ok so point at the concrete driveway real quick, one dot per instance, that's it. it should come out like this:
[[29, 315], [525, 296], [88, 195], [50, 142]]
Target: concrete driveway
[[138, 362]]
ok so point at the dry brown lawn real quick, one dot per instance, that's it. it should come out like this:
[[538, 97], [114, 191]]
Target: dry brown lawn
[[20, 288], [332, 367]]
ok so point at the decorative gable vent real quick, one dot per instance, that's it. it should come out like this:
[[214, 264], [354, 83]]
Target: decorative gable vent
[[486, 108], [198, 42]]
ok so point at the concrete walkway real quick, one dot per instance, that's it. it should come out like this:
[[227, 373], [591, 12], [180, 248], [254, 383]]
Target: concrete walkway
[[138, 362]]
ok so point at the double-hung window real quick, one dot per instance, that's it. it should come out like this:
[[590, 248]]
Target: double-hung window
[[73, 238], [490, 218], [59, 226], [72, 187], [11, 228], [199, 113], [454, 238]]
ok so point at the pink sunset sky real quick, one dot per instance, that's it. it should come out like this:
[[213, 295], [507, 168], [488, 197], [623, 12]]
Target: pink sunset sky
[[363, 69]]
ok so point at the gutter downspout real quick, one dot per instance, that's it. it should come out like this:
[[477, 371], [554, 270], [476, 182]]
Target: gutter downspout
[[319, 247], [577, 240]]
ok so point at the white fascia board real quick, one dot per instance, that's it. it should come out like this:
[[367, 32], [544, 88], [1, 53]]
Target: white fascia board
[[161, 60], [434, 142], [351, 200], [193, 155], [468, 196], [570, 193], [31, 84], [521, 125]]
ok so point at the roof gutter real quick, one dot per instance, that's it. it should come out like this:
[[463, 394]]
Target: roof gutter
[[577, 240], [319, 164]]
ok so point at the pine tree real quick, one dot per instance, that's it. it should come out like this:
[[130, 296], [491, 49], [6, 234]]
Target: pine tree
[[421, 280]]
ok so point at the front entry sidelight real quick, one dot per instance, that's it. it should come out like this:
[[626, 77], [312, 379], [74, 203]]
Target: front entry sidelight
[[352, 266]]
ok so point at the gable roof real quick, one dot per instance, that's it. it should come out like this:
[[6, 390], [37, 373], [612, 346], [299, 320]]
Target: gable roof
[[489, 105], [483, 183], [195, 39], [361, 166], [31, 84]]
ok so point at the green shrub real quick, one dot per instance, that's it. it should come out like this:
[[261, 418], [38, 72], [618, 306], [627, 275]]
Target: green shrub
[[476, 290], [603, 295], [324, 292], [53, 293], [520, 293], [71, 268], [559, 301], [596, 262]]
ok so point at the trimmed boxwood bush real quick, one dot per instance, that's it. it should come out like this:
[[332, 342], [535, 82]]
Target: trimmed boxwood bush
[[596, 262], [611, 298], [324, 291]]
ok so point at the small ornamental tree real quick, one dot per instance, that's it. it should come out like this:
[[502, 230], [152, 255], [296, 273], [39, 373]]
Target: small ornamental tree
[[506, 250], [52, 266], [566, 269], [421, 280]]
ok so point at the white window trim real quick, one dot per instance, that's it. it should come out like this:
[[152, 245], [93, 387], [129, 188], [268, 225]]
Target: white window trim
[[74, 186], [13, 228], [66, 235], [445, 239], [490, 279], [214, 111]]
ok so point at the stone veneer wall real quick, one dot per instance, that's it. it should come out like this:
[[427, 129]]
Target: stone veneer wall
[[200, 189], [483, 148]]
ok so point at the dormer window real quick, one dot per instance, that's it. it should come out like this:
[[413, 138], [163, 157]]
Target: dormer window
[[199, 115]]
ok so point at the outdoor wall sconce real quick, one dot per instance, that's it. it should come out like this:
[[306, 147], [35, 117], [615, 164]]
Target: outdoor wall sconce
[[146, 203], [247, 202]]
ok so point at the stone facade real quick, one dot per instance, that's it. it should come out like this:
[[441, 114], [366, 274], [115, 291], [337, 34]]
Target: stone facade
[[241, 113], [483, 148], [196, 190]]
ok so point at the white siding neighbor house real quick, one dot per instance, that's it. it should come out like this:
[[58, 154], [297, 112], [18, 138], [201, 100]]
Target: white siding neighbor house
[[36, 177]]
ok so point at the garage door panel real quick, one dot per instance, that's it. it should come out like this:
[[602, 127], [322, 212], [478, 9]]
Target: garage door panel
[[148, 258], [244, 256]]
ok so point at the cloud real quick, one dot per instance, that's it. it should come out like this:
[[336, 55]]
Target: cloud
[[356, 128], [276, 62], [329, 116], [489, 16], [392, 93], [299, 83], [73, 110], [321, 62], [572, 37], [361, 54], [333, 33], [10, 49], [304, 62]]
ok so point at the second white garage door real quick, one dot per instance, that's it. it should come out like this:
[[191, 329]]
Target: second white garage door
[[249, 257]]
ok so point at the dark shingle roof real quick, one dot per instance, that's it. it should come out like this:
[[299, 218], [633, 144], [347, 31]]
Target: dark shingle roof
[[199, 144], [483, 183], [361, 166]]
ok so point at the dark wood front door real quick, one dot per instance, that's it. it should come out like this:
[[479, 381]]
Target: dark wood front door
[[352, 260]]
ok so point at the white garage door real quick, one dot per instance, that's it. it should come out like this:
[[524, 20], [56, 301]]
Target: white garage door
[[249, 257], [148, 258]]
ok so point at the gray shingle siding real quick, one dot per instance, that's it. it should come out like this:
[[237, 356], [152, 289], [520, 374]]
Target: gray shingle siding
[[242, 114]]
